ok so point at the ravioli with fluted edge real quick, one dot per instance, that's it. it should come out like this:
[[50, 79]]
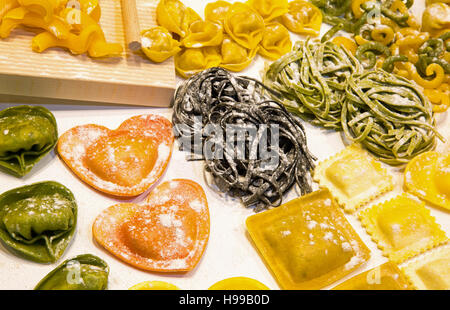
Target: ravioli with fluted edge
[[83, 272], [168, 232], [427, 176], [431, 272], [384, 277], [353, 177], [38, 221], [123, 162], [307, 243], [27, 134], [402, 227]]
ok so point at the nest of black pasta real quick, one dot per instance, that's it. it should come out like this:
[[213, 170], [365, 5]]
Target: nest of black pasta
[[268, 153]]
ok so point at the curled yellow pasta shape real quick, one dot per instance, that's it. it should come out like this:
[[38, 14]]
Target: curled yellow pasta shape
[[276, 41], [303, 18], [203, 33], [244, 25], [158, 44], [234, 56], [23, 16], [439, 99], [90, 39], [383, 34], [193, 60], [269, 9], [43, 8], [7, 5], [356, 8], [216, 11], [432, 69]]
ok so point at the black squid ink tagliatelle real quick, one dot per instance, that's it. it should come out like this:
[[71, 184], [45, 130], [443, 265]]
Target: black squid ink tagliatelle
[[216, 99]]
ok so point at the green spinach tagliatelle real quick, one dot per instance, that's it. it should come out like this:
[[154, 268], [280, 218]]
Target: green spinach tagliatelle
[[38, 221]]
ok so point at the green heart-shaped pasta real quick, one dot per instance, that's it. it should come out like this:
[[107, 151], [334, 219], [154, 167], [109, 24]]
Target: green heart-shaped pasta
[[38, 221], [27, 133], [84, 272]]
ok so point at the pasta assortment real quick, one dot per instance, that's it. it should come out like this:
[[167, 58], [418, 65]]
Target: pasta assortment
[[380, 89]]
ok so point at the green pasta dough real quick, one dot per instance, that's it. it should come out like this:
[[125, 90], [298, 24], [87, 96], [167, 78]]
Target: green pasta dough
[[389, 116], [38, 221], [27, 133], [84, 272], [312, 80]]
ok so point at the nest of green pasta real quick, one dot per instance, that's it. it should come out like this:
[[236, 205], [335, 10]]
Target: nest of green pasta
[[312, 80], [326, 85], [388, 115], [267, 153]]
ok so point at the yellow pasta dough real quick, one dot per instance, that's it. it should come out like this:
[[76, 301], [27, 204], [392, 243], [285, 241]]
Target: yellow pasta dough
[[428, 177], [384, 277], [353, 177], [307, 242], [432, 272], [402, 227]]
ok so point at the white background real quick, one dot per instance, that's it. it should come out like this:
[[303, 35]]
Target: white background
[[229, 251]]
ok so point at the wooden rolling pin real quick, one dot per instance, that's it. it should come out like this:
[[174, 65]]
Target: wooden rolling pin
[[131, 25]]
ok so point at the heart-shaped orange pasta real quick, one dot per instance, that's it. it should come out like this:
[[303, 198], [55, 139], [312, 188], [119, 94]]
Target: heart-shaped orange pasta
[[168, 232], [122, 162]]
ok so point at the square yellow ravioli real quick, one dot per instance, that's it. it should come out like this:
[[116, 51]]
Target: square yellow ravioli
[[307, 243], [353, 177], [402, 227], [384, 277], [431, 272]]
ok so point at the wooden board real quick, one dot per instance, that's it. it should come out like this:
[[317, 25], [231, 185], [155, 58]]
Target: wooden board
[[57, 74]]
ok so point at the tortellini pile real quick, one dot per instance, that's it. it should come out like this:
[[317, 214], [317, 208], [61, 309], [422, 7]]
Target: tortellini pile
[[73, 25], [230, 36]]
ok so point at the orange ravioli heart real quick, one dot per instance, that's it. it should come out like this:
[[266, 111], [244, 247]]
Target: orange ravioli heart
[[168, 232], [122, 162], [428, 177]]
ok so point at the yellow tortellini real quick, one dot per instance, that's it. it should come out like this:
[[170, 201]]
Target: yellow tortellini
[[436, 19], [244, 25], [269, 9], [276, 41], [175, 16], [158, 44], [234, 56], [193, 60], [216, 11], [303, 18], [203, 33]]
